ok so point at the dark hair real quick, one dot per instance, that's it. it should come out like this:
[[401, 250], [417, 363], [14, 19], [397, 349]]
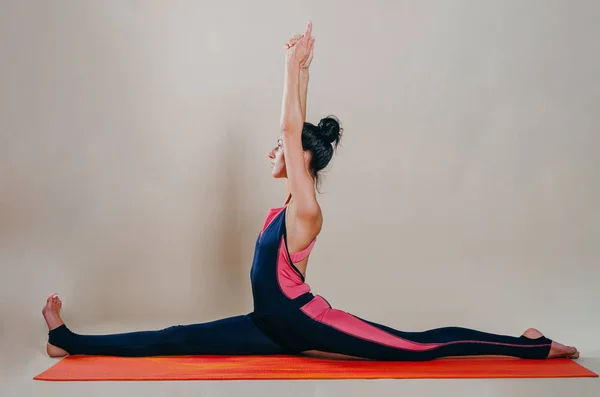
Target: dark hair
[[321, 140]]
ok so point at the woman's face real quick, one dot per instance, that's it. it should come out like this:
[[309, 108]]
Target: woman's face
[[278, 160]]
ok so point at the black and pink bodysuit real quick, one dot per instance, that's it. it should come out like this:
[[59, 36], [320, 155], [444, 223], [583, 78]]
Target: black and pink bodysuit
[[289, 319]]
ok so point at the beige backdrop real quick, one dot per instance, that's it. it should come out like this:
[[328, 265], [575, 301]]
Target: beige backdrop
[[134, 177]]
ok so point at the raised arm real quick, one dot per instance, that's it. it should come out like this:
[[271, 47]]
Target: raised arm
[[300, 183], [304, 73], [303, 90]]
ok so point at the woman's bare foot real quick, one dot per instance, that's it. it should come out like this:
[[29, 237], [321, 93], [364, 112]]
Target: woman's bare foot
[[557, 350], [51, 313]]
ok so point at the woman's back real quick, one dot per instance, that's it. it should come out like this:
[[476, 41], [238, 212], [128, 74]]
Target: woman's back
[[301, 237]]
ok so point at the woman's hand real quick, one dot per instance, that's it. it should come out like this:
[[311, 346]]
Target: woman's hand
[[300, 49], [292, 42]]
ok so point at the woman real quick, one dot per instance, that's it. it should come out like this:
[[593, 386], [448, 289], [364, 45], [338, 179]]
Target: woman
[[287, 317]]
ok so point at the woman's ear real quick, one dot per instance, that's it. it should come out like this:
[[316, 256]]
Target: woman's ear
[[307, 158]]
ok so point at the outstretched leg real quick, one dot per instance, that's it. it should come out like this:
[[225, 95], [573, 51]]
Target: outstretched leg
[[335, 331], [230, 336]]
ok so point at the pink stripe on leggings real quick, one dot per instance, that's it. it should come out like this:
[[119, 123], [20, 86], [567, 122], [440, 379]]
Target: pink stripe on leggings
[[319, 310]]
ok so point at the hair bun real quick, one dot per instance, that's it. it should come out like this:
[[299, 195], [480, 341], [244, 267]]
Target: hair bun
[[330, 129]]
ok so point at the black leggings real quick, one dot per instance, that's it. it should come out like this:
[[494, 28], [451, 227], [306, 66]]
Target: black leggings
[[229, 336], [250, 335]]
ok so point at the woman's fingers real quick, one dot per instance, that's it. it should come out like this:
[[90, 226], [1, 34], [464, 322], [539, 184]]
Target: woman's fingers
[[308, 30], [311, 46], [293, 41], [306, 38]]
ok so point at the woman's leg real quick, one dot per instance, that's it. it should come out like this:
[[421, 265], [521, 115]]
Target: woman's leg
[[230, 336], [335, 331]]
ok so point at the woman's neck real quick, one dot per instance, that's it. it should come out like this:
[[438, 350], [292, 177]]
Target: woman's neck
[[287, 189]]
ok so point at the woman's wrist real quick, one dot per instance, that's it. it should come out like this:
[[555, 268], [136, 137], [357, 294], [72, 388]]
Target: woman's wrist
[[292, 64]]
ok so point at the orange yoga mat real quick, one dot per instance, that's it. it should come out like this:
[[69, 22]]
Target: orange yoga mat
[[94, 368]]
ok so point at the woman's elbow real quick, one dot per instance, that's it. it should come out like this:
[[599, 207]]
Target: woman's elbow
[[291, 126]]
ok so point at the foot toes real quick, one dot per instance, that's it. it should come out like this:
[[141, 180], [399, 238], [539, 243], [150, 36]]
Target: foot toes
[[53, 302], [572, 351]]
